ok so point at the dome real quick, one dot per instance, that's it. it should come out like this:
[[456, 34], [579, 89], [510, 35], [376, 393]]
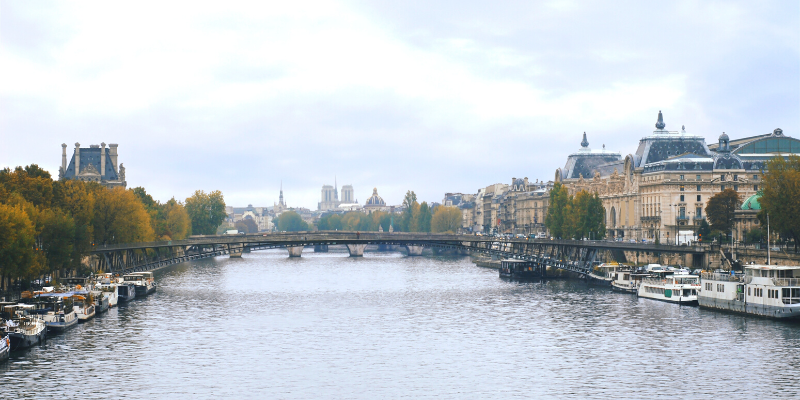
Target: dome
[[724, 136], [375, 200], [752, 203]]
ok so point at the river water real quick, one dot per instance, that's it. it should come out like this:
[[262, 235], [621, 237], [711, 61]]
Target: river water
[[388, 326]]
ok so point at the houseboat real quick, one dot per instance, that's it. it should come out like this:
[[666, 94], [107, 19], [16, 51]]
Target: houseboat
[[766, 290], [628, 279], [60, 316], [24, 330], [519, 269], [125, 292], [602, 275], [83, 306], [144, 282], [675, 286]]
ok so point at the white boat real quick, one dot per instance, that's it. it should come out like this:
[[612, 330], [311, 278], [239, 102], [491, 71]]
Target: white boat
[[766, 290], [676, 286], [107, 285], [60, 317], [83, 306], [628, 280]]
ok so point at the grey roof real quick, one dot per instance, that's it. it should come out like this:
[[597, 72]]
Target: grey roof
[[92, 156]]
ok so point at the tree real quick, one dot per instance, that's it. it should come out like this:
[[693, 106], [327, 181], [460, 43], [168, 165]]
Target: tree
[[422, 219], [33, 184], [781, 197], [704, 232], [406, 218], [720, 209], [77, 199], [556, 211], [207, 211], [16, 242], [174, 221], [446, 219], [120, 217], [330, 222], [290, 221], [57, 238], [754, 235]]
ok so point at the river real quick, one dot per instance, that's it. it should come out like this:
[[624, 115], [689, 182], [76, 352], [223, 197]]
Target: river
[[388, 326]]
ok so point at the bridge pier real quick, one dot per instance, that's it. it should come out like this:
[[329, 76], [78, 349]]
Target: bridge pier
[[320, 248], [415, 250], [356, 250], [295, 251], [234, 252]]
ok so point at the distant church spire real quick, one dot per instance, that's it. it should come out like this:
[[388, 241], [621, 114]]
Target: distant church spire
[[584, 142], [660, 125]]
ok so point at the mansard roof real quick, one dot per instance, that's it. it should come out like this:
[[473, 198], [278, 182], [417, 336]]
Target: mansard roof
[[90, 158]]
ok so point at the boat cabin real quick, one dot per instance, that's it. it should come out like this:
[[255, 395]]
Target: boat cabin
[[780, 282]]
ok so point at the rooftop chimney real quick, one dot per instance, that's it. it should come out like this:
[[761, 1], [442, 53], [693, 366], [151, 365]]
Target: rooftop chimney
[[103, 161]]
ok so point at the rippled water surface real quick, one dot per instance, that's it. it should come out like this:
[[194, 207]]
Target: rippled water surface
[[388, 326]]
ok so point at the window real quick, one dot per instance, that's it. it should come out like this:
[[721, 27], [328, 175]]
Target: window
[[722, 178], [736, 177], [736, 187], [698, 177], [698, 212], [682, 198], [755, 187], [682, 211], [699, 188], [755, 177], [722, 187], [699, 197], [682, 188], [681, 177]]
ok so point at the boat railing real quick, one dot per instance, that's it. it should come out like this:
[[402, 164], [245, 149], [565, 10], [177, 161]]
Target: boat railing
[[716, 276], [654, 281], [786, 281]]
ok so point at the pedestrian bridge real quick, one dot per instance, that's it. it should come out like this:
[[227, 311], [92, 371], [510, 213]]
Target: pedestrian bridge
[[571, 255]]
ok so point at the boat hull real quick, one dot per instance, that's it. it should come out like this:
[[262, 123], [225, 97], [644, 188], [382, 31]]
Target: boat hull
[[58, 326], [5, 348], [598, 281], [739, 307], [682, 300], [21, 341], [624, 289]]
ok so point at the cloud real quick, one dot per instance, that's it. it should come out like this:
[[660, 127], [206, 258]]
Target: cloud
[[435, 98]]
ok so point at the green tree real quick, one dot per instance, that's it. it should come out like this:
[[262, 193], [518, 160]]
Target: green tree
[[206, 211], [781, 197], [406, 220], [77, 199], [446, 219], [704, 232], [33, 184], [557, 211], [423, 218], [720, 209], [290, 221], [57, 238], [330, 222], [754, 235]]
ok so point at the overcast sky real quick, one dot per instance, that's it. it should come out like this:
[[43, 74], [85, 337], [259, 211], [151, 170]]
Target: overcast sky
[[427, 96]]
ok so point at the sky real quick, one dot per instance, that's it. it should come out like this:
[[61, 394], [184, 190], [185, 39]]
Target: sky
[[427, 96]]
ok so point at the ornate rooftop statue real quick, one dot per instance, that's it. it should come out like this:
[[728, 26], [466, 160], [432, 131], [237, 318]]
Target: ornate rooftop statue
[[660, 125]]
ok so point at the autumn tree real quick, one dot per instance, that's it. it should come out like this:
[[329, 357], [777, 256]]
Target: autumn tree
[[119, 217], [16, 243], [31, 182], [176, 222], [206, 211], [720, 209], [330, 222], [446, 219], [246, 225], [77, 199], [585, 214], [781, 196]]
